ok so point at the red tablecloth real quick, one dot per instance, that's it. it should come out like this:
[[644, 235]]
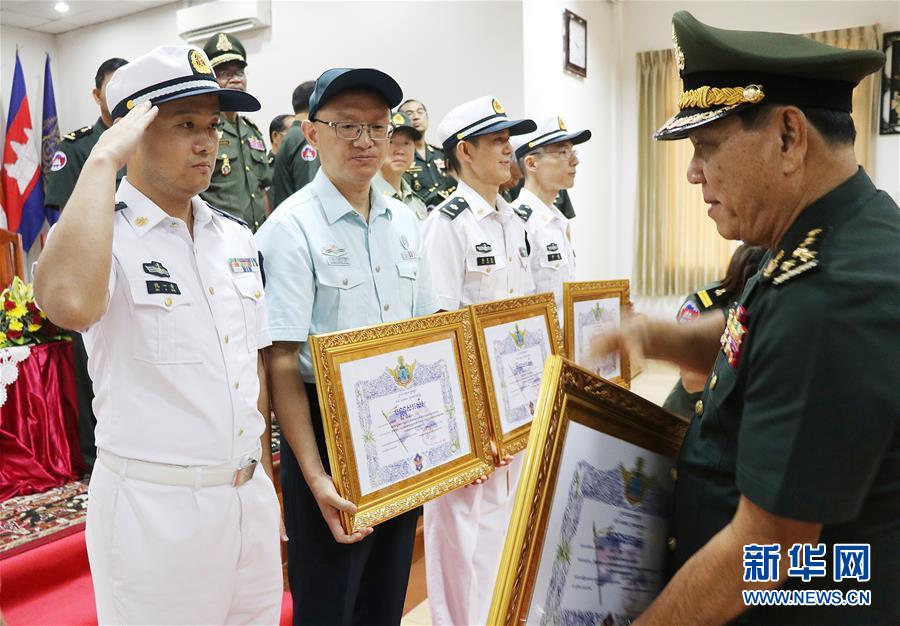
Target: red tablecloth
[[39, 446]]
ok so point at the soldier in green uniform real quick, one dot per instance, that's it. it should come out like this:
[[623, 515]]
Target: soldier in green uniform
[[427, 176], [278, 128], [298, 161], [242, 172], [796, 439], [69, 158], [75, 147], [389, 180]]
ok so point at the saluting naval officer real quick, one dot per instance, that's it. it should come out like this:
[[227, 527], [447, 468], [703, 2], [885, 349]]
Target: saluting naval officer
[[548, 162], [389, 179], [427, 175], [168, 292], [484, 255], [242, 173], [796, 438], [339, 255]]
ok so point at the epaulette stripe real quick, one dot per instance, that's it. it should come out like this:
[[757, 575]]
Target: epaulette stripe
[[704, 298], [120, 206]]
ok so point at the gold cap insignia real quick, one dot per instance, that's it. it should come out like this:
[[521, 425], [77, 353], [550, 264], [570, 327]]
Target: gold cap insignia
[[199, 62], [679, 54], [397, 119], [562, 124], [223, 44], [129, 105], [498, 108]]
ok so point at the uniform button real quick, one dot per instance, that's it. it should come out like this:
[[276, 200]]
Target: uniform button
[[226, 338], [237, 385], [257, 294], [241, 433], [671, 543], [488, 270], [344, 282], [173, 225], [698, 408], [212, 291], [674, 474], [509, 258], [510, 291], [377, 268], [168, 302], [253, 195], [247, 167], [387, 306], [713, 381]]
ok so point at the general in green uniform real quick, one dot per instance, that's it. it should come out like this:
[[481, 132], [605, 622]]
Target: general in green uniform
[[297, 161], [796, 439], [242, 173], [427, 175]]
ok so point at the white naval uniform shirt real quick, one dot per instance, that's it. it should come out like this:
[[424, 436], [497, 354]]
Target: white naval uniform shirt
[[174, 357], [480, 255], [552, 255], [327, 269]]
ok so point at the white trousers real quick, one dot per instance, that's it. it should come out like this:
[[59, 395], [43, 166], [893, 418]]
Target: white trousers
[[177, 555], [464, 535]]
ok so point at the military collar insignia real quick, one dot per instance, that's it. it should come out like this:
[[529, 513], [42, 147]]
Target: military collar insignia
[[523, 211], [120, 206], [803, 258], [454, 207]]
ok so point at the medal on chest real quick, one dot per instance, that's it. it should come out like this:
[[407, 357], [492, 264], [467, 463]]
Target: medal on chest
[[226, 166], [734, 335]]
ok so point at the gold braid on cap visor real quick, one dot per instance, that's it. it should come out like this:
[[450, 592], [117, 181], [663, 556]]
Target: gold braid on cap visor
[[705, 97]]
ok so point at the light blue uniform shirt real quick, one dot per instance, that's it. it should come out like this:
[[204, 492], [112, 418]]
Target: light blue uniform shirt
[[328, 270]]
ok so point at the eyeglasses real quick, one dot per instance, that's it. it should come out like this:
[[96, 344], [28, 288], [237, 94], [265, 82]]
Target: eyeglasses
[[351, 131], [565, 154], [226, 74]]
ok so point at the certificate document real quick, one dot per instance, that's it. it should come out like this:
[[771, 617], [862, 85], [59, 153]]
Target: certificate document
[[406, 413], [604, 553], [593, 318], [517, 351]]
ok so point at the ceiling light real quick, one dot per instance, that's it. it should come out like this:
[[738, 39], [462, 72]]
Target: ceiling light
[[61, 7]]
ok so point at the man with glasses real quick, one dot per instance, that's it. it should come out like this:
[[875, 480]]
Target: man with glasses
[[427, 175], [338, 255], [242, 171], [548, 161]]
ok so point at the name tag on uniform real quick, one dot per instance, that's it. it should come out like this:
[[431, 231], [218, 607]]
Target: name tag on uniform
[[256, 143], [554, 257], [240, 265], [408, 255], [162, 286], [485, 260], [337, 260]]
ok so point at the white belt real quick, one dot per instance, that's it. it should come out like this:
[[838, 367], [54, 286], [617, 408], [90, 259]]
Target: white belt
[[181, 475]]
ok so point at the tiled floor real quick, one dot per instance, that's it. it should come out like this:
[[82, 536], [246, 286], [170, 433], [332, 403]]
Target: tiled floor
[[654, 383]]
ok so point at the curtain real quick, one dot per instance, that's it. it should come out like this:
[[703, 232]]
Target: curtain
[[677, 247]]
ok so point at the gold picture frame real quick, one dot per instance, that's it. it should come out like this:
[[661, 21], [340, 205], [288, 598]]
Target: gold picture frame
[[334, 352], [569, 395], [576, 293], [490, 315]]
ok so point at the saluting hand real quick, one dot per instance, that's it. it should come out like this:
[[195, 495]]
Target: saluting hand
[[331, 505], [119, 142]]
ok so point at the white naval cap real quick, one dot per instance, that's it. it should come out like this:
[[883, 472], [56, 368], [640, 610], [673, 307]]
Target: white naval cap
[[169, 73], [550, 130], [478, 117]]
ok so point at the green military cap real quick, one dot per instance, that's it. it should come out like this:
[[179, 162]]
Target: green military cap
[[224, 48], [725, 71], [401, 121]]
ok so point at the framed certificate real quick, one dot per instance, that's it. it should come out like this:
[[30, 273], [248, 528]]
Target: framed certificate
[[588, 537], [590, 309], [404, 413], [514, 339]]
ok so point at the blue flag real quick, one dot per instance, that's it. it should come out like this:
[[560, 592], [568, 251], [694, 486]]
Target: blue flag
[[49, 134]]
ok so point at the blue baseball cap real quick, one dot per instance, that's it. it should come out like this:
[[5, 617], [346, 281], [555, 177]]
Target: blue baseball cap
[[340, 79]]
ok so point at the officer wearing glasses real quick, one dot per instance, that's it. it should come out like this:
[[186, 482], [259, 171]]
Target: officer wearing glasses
[[339, 255]]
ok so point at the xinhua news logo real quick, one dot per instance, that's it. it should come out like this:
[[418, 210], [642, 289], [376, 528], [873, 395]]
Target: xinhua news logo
[[849, 561]]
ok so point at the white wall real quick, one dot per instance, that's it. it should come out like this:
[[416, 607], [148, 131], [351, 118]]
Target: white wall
[[482, 39], [648, 26]]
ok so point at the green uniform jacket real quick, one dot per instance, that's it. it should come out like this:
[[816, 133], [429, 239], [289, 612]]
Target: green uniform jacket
[[241, 173], [75, 148], [426, 177], [296, 165], [800, 413]]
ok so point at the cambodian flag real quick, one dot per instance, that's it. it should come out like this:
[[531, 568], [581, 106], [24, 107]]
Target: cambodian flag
[[49, 133], [23, 188]]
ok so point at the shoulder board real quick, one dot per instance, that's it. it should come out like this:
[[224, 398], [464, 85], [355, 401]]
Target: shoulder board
[[435, 148], [227, 215], [454, 206], [524, 211], [712, 297], [120, 206], [75, 135], [249, 122], [804, 257]]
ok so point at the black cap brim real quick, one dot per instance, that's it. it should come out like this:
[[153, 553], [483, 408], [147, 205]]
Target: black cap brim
[[515, 127], [360, 78], [576, 138], [229, 100], [412, 130]]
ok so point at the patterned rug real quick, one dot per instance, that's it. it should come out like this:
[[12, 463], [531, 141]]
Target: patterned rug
[[29, 521]]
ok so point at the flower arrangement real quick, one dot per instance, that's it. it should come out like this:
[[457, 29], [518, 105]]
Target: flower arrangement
[[21, 321]]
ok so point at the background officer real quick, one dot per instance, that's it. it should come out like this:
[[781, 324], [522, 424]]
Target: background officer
[[299, 161], [67, 162], [389, 179], [180, 527], [484, 255], [796, 438], [242, 171], [339, 255], [427, 175], [548, 161], [278, 128]]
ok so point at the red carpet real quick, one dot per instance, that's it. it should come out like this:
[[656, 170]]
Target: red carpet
[[51, 584]]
